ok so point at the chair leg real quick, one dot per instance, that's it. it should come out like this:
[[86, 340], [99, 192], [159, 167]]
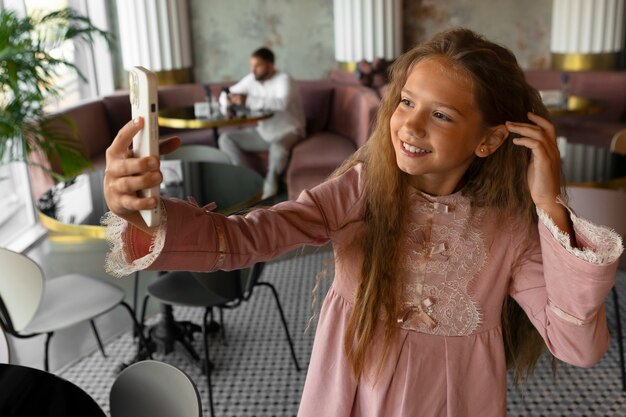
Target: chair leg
[[222, 327], [135, 294], [620, 340], [142, 338], [144, 306], [207, 362], [95, 332], [46, 366], [282, 317]]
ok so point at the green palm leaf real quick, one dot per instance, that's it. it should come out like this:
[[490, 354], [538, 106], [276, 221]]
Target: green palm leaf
[[27, 71]]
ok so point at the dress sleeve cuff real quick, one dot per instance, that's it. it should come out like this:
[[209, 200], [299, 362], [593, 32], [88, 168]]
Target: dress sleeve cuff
[[570, 318], [596, 244], [131, 250]]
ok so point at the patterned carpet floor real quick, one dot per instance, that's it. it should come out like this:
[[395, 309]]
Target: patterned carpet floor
[[255, 375]]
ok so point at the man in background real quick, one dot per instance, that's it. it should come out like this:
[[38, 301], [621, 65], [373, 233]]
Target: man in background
[[265, 87]]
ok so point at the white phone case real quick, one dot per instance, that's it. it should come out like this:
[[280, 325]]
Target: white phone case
[[143, 102]]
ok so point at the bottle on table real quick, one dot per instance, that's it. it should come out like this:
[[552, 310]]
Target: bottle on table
[[208, 98], [224, 101]]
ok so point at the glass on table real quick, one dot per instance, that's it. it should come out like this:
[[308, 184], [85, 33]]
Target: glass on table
[[202, 109]]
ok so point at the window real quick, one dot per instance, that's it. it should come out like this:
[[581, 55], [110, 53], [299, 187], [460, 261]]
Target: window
[[100, 78], [19, 226], [66, 79]]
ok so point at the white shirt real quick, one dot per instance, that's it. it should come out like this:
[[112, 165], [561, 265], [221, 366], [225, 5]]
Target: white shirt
[[279, 94]]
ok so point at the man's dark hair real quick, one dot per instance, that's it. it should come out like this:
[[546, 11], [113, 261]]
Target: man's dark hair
[[265, 54]]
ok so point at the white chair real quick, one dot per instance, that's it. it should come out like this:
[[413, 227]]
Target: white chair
[[199, 153], [606, 207], [618, 143], [154, 389], [5, 353], [30, 305]]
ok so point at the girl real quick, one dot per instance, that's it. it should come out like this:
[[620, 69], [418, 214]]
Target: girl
[[453, 205]]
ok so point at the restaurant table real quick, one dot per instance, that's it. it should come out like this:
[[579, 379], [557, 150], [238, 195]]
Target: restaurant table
[[75, 207], [576, 105], [186, 118], [27, 391]]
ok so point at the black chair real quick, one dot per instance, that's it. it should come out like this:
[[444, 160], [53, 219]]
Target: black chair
[[222, 289]]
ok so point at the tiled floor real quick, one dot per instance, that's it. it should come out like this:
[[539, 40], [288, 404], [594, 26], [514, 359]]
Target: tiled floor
[[255, 376]]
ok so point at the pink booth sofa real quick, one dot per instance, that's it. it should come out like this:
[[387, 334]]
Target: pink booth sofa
[[338, 117], [607, 86], [97, 121]]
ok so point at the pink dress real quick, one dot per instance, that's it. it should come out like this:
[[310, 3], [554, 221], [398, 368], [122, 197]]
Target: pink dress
[[447, 358]]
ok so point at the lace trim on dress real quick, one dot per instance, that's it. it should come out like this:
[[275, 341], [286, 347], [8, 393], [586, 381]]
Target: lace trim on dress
[[115, 263], [607, 243], [442, 260]]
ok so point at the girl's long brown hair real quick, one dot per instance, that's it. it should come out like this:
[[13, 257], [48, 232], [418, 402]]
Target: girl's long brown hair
[[498, 181]]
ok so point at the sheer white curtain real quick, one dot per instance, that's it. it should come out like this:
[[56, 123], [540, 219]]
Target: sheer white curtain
[[18, 223], [95, 61]]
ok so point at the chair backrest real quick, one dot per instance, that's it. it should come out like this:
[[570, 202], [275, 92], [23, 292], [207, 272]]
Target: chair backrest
[[618, 143], [251, 278], [199, 153], [234, 285], [155, 389], [599, 205], [21, 290], [5, 353]]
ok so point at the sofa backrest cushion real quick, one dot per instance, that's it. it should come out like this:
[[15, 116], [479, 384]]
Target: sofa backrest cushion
[[543, 79], [316, 98], [606, 86], [118, 110], [353, 112], [180, 95], [91, 126]]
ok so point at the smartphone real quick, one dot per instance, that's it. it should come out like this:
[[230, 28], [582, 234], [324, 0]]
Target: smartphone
[[143, 102]]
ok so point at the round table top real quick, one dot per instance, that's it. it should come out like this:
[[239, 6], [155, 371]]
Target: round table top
[[185, 118], [75, 207], [576, 105], [33, 392]]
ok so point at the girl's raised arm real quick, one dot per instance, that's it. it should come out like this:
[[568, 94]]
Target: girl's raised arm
[[544, 171]]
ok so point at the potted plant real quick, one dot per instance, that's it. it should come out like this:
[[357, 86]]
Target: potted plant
[[28, 66]]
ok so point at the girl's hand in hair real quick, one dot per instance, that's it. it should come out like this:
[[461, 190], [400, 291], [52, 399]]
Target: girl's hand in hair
[[125, 175], [544, 171]]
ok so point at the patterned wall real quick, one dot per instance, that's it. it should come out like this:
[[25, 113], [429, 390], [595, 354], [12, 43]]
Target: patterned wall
[[225, 32], [300, 32], [522, 26]]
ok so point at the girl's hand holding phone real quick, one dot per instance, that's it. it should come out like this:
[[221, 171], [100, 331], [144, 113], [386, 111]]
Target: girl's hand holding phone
[[125, 175]]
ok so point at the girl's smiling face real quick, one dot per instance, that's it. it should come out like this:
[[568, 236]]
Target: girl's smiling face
[[436, 130]]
